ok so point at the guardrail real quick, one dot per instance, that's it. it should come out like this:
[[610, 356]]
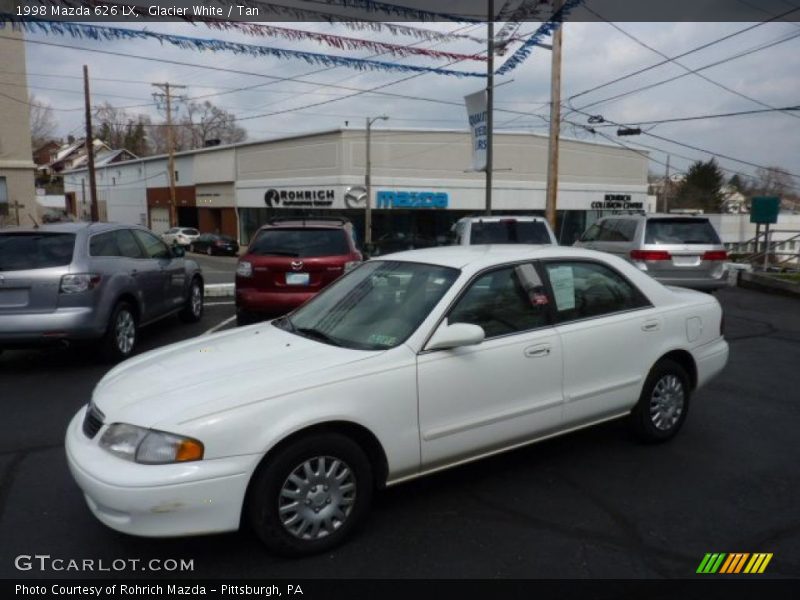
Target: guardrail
[[770, 254]]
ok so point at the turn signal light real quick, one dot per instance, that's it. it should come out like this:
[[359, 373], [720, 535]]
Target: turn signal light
[[650, 255], [189, 450], [715, 255]]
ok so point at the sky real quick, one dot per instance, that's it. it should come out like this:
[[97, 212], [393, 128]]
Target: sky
[[594, 53]]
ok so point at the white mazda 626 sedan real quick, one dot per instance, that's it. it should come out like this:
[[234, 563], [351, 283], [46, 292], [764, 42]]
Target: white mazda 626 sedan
[[407, 365]]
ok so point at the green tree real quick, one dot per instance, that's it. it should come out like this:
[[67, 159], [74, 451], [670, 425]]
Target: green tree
[[702, 187]]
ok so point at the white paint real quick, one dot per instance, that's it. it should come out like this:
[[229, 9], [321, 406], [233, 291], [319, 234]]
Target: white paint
[[219, 326]]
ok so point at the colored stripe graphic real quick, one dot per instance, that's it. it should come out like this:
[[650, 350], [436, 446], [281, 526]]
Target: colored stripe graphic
[[733, 563]]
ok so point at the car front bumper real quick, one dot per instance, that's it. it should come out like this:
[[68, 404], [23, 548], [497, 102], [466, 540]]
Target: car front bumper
[[74, 323], [193, 498]]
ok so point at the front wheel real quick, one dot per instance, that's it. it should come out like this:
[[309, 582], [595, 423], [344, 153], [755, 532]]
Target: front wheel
[[663, 404], [310, 495], [121, 336], [193, 309]]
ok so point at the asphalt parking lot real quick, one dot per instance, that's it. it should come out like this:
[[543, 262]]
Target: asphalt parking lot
[[592, 504], [216, 269]]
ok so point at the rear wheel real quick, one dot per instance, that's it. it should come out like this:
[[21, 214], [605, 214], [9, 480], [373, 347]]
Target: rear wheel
[[121, 336], [193, 309], [310, 495], [664, 403]]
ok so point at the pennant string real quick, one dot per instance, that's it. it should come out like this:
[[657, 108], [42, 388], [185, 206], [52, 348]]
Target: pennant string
[[95, 32]]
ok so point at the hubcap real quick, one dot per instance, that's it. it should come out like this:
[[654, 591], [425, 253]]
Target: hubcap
[[317, 498], [666, 402], [125, 330], [197, 300]]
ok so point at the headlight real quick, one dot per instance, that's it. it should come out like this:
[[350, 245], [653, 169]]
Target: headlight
[[244, 269], [149, 447]]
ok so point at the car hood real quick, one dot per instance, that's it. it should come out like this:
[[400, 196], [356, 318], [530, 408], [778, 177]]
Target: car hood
[[214, 373]]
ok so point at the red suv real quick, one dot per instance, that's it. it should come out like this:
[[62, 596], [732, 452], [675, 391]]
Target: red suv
[[290, 260]]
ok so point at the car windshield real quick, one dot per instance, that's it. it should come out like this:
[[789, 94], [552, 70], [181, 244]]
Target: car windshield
[[681, 231], [23, 251], [191, 232], [375, 307], [303, 243], [509, 231]]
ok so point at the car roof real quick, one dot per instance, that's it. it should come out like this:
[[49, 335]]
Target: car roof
[[309, 223], [478, 256], [649, 216], [70, 227], [493, 218]]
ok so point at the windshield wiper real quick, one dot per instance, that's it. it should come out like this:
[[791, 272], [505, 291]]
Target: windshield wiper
[[310, 332]]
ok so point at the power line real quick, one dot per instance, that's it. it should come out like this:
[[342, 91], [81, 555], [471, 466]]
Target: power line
[[695, 71], [703, 117], [687, 69], [683, 54]]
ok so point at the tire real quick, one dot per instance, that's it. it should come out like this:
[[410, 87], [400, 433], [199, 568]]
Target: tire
[[329, 507], [121, 335], [193, 310], [663, 404], [209, 251]]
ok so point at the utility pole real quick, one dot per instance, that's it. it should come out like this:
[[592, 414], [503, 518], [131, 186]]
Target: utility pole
[[489, 106], [368, 182], [555, 124], [90, 144], [666, 187], [166, 96]]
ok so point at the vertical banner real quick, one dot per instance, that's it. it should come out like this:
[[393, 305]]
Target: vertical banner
[[476, 112]]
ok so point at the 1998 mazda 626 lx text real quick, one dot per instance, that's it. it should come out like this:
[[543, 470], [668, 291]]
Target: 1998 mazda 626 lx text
[[410, 364]]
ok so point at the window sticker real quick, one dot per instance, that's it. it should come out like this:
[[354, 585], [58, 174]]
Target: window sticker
[[382, 340], [563, 282]]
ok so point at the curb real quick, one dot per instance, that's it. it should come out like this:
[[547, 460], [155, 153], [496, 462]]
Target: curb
[[219, 290], [771, 285]]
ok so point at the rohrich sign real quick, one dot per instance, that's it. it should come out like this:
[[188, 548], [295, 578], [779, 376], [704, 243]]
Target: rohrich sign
[[321, 198], [617, 202]]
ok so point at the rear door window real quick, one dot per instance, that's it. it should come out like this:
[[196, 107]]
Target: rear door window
[[681, 231], [127, 244], [104, 244], [153, 247], [301, 243], [509, 231], [23, 251]]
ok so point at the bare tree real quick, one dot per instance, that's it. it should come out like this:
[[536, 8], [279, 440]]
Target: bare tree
[[122, 130], [204, 122], [773, 181], [43, 123]]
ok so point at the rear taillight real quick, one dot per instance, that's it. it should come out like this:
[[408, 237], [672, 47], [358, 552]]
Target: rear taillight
[[650, 255], [715, 255], [79, 282]]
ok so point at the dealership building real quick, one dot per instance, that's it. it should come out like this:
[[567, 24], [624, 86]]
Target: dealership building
[[421, 182]]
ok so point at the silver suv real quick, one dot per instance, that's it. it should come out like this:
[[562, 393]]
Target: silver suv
[[676, 250], [91, 281]]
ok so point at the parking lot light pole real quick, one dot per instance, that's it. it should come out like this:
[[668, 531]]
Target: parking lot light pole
[[368, 182]]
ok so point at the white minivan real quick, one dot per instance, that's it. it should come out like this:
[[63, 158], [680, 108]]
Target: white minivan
[[503, 229]]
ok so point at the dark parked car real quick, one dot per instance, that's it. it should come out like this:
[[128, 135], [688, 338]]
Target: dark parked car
[[91, 281], [212, 243], [399, 241], [289, 261]]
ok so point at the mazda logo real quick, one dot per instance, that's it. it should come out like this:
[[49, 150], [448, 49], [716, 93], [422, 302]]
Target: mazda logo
[[272, 198], [355, 196], [297, 265]]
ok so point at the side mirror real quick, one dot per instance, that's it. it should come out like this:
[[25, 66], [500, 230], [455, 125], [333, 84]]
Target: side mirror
[[178, 251], [455, 336]]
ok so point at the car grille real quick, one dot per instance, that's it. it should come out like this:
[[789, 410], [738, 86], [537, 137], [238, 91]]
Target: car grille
[[92, 422]]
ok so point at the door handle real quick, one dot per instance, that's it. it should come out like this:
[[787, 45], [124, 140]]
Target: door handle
[[537, 351], [651, 326]]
